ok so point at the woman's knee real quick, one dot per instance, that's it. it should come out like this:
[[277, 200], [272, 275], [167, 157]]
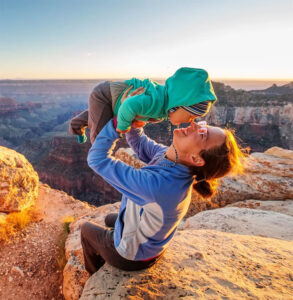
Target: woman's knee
[[110, 219], [84, 229]]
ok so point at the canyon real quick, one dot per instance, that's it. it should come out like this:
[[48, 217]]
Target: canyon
[[261, 119]]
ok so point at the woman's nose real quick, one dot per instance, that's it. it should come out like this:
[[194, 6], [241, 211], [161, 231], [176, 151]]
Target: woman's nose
[[193, 125]]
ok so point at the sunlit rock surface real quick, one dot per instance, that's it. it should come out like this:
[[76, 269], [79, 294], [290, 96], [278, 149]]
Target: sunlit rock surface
[[279, 152], [18, 181], [268, 176], [204, 264], [128, 156], [74, 273], [201, 261], [244, 221], [284, 207]]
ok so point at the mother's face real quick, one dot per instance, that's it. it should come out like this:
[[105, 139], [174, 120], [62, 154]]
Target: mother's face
[[189, 142]]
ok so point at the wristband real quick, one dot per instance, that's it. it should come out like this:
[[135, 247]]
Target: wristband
[[115, 122]]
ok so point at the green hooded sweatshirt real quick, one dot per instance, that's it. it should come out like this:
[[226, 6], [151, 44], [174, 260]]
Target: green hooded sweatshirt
[[188, 86]]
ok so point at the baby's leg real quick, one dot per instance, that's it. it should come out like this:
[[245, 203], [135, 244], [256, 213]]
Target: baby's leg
[[78, 124], [100, 109]]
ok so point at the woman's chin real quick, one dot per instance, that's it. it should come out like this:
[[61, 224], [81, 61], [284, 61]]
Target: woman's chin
[[176, 135]]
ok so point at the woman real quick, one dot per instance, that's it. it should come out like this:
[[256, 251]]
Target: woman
[[157, 196]]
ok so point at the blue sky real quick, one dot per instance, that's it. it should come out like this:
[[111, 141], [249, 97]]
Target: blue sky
[[115, 39]]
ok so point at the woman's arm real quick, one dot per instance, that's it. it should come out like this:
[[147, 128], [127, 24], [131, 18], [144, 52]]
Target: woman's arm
[[142, 145], [139, 185]]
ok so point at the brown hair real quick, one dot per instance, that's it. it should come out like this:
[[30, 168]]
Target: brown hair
[[219, 161]]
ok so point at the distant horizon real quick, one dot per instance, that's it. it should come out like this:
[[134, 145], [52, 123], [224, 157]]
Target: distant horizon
[[236, 83], [155, 77]]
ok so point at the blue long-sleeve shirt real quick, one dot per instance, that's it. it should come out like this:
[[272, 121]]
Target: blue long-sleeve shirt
[[155, 197]]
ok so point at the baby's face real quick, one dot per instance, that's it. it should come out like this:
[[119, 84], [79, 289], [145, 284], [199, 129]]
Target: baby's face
[[181, 115]]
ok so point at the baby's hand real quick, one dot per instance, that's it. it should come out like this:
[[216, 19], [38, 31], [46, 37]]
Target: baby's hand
[[122, 131], [138, 124]]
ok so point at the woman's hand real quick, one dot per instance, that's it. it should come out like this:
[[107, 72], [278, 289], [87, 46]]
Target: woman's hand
[[135, 123], [138, 91]]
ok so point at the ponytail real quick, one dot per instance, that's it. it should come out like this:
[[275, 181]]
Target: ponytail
[[219, 161], [205, 188]]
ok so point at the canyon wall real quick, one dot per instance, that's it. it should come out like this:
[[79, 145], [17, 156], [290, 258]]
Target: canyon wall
[[65, 167], [61, 161], [261, 119], [258, 127]]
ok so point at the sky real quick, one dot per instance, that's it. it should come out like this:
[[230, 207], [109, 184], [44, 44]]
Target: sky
[[88, 39]]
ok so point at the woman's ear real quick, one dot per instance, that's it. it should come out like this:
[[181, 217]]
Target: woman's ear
[[197, 161]]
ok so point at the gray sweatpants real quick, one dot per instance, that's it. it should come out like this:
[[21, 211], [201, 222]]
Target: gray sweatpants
[[102, 101], [98, 114], [98, 246]]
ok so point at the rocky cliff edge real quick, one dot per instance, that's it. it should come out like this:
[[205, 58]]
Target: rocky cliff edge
[[243, 251], [232, 252]]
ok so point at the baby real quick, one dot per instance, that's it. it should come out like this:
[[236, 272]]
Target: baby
[[186, 95]]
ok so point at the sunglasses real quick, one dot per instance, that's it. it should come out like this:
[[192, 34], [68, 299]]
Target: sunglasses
[[203, 127]]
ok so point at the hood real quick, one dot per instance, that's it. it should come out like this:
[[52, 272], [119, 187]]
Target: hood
[[188, 86]]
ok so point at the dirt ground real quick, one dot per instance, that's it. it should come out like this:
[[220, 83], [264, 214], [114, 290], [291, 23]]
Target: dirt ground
[[28, 264], [31, 263]]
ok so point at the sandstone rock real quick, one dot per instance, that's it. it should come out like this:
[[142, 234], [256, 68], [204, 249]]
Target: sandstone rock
[[18, 181], [74, 278], [74, 272], [284, 207], [279, 152], [128, 156], [57, 205], [244, 221], [204, 264]]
